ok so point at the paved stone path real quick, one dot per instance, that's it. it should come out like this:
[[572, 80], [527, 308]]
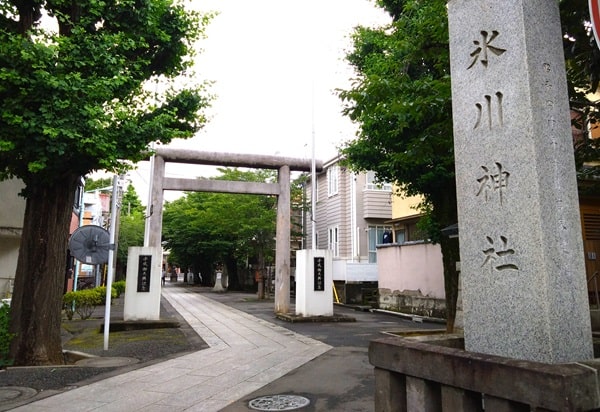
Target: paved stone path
[[245, 354]]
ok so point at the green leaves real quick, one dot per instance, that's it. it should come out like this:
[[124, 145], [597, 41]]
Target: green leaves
[[5, 336], [401, 100], [401, 97], [74, 101], [210, 227]]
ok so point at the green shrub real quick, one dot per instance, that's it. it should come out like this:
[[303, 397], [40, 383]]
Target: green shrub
[[69, 300], [101, 291], [83, 302], [5, 336], [119, 286]]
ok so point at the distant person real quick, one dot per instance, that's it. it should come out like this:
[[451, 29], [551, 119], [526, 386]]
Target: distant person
[[387, 237]]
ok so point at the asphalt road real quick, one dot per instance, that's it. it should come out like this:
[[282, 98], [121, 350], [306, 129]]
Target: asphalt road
[[339, 380]]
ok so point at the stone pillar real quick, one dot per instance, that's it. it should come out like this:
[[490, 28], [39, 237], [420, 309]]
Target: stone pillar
[[156, 207], [142, 294], [314, 279], [282, 252], [219, 283], [524, 285]]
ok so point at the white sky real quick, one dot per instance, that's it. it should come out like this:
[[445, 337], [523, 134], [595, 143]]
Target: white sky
[[275, 64]]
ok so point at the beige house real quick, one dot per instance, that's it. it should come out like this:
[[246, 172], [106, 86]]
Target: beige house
[[11, 226], [350, 219], [405, 215]]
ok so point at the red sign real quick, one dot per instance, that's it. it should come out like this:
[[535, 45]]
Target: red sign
[[595, 18]]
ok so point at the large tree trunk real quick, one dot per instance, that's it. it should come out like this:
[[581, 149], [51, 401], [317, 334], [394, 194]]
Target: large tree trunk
[[450, 255], [445, 213], [37, 296]]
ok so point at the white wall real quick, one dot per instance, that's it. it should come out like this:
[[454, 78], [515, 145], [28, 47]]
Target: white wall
[[412, 267], [12, 205], [347, 271]]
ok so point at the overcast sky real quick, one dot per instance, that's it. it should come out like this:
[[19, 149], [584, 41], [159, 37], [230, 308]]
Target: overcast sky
[[275, 64]]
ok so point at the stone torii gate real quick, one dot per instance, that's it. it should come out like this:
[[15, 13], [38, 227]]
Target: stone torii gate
[[281, 189]]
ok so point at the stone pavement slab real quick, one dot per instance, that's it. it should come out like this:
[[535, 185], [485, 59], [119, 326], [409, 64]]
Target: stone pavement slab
[[245, 354]]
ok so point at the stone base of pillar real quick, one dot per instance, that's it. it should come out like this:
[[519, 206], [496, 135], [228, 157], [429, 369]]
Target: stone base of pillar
[[435, 373]]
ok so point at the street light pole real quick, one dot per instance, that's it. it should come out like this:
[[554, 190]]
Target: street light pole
[[114, 213]]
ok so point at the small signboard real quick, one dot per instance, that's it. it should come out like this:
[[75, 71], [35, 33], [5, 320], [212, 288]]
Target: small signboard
[[595, 18], [144, 270], [319, 273]]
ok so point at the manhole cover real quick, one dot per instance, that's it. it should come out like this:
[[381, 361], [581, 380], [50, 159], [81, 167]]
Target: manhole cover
[[15, 393], [278, 403]]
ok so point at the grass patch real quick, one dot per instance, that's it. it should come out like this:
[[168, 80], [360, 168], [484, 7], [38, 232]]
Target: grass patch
[[89, 338]]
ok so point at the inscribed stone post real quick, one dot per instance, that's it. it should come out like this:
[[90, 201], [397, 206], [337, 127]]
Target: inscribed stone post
[[524, 285]]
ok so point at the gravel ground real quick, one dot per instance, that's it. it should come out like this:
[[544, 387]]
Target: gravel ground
[[147, 346]]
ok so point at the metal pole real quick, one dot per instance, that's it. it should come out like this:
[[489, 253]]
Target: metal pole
[[313, 195], [114, 215], [77, 262]]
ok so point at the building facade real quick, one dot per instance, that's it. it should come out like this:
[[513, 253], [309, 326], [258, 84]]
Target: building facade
[[350, 219], [11, 227]]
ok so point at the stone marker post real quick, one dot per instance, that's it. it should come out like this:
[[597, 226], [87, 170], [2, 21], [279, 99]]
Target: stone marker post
[[524, 284], [282, 247]]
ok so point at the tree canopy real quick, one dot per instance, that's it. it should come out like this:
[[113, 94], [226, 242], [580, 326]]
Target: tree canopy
[[132, 224], [75, 99], [78, 95], [582, 57], [94, 184], [401, 101]]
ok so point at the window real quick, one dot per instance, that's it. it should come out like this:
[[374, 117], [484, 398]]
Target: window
[[77, 200], [400, 235], [332, 180], [372, 183], [591, 225], [376, 238], [332, 238]]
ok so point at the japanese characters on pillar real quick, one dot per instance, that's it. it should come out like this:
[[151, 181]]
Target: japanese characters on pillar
[[319, 274], [520, 235], [488, 170], [144, 270]]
